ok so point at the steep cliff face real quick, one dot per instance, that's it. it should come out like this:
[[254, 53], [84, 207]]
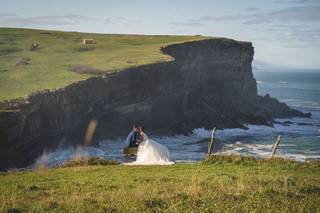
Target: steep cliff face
[[210, 83]]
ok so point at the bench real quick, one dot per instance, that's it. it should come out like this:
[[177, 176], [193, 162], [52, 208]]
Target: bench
[[129, 151]]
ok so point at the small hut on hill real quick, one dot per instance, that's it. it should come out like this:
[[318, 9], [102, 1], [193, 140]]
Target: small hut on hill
[[88, 41]]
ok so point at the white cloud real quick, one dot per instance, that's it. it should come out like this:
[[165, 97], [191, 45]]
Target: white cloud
[[67, 19]]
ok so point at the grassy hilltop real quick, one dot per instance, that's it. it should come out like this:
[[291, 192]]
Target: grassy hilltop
[[223, 184], [62, 58]]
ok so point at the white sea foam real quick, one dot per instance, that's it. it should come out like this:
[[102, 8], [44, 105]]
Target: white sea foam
[[63, 154], [300, 141], [296, 103]]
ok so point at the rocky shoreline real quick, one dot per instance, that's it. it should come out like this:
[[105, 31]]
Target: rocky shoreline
[[210, 83]]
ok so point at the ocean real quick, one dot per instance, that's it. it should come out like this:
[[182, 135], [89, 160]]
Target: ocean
[[300, 137]]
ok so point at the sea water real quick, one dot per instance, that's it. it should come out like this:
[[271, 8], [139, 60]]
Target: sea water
[[300, 137]]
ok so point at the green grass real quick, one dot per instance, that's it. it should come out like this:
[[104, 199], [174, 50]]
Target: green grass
[[59, 51], [223, 184]]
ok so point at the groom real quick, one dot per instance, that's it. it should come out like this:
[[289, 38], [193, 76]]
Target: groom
[[132, 139]]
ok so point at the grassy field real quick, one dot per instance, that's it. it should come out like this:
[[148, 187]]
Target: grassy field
[[223, 184], [23, 71]]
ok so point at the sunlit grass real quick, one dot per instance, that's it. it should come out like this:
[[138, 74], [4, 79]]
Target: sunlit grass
[[222, 184], [49, 66]]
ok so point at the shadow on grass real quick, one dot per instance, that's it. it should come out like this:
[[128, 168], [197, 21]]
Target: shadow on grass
[[89, 161]]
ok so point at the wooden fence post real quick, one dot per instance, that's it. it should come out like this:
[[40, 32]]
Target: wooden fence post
[[212, 141], [275, 146]]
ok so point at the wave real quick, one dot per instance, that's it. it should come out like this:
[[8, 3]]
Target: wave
[[281, 82], [300, 141], [61, 155], [304, 105], [301, 127]]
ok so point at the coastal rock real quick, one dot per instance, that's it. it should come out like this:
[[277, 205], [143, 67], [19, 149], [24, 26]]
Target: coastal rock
[[209, 84]]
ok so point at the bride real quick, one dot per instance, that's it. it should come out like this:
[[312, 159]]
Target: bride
[[150, 152]]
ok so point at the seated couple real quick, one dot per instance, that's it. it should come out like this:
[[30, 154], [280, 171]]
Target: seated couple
[[149, 152]]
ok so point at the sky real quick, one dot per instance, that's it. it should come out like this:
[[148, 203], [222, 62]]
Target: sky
[[283, 32]]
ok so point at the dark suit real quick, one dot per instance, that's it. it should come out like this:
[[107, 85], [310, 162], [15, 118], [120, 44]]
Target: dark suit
[[132, 139]]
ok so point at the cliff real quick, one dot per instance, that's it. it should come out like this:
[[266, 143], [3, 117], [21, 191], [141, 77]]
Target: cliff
[[210, 83]]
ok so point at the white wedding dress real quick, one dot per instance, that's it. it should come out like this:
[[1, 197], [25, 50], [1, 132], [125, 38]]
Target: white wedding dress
[[151, 153]]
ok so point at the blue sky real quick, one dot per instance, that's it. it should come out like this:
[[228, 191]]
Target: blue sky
[[285, 32]]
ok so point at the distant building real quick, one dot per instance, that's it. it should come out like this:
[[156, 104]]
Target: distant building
[[88, 41]]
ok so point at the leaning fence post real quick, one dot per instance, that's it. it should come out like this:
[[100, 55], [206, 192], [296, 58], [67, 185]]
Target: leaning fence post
[[275, 146], [211, 142]]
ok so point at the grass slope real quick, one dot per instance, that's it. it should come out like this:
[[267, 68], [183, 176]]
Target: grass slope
[[224, 184], [58, 51]]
